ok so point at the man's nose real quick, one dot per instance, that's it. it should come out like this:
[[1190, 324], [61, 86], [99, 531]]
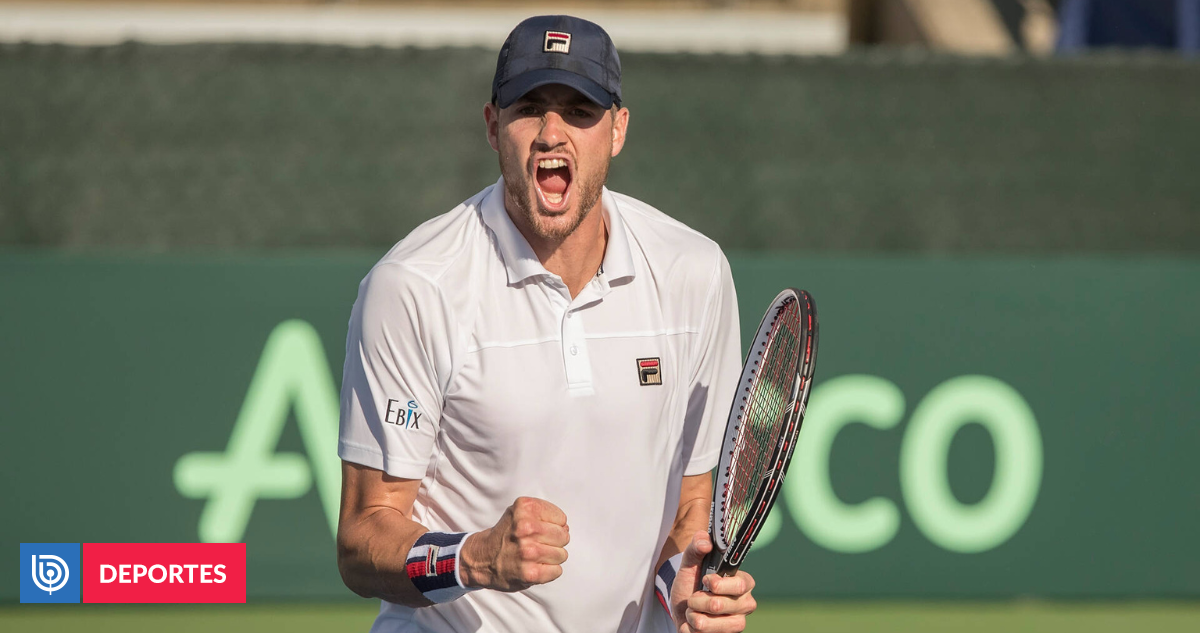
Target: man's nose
[[553, 130]]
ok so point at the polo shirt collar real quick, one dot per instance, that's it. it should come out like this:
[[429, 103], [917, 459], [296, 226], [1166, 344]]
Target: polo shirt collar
[[618, 260], [522, 263], [519, 258]]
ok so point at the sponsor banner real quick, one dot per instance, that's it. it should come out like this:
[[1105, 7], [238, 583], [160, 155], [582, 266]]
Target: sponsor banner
[[977, 428], [164, 572]]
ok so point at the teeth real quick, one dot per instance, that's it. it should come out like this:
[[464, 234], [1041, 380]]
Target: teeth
[[552, 163], [553, 198]]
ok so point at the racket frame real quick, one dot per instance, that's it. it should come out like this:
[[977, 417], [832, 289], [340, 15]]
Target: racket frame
[[728, 554]]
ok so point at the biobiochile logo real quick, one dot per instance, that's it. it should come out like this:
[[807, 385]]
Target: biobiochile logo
[[49, 572], [133, 572]]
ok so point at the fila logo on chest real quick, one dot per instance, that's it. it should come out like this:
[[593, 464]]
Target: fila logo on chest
[[649, 371]]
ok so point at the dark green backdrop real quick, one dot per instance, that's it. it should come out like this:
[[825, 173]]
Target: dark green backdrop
[[291, 146], [115, 367]]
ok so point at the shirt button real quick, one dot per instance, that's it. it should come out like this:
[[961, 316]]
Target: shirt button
[[574, 350]]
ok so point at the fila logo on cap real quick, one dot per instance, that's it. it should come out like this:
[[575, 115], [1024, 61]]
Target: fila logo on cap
[[648, 371], [557, 42]]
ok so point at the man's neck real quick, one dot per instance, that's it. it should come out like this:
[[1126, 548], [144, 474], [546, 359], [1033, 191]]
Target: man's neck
[[577, 257]]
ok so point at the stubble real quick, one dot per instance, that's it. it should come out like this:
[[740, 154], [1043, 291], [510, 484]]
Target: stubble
[[529, 206]]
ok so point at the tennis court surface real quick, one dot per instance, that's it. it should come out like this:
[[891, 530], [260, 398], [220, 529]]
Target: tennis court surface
[[778, 617]]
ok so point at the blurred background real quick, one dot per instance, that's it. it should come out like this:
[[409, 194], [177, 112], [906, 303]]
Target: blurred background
[[996, 204]]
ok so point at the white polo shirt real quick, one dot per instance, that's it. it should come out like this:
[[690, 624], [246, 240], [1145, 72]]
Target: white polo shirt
[[470, 367]]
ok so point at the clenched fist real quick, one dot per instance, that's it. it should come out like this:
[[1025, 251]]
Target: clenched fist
[[526, 547]]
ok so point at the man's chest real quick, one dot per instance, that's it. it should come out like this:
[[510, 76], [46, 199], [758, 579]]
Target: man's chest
[[544, 373]]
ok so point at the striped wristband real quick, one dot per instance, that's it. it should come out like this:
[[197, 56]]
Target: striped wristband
[[665, 578], [433, 566]]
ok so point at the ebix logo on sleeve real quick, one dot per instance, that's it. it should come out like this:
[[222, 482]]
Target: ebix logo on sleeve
[[408, 416], [49, 572]]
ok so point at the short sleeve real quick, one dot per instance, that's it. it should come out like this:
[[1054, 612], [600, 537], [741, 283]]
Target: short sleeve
[[399, 359], [717, 367]]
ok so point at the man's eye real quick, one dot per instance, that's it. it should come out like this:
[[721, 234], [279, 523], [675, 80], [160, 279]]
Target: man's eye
[[527, 110], [581, 113]]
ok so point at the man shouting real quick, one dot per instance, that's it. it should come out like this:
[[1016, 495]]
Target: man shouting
[[536, 384]]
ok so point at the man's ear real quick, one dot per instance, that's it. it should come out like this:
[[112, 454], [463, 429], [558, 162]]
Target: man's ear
[[620, 125], [491, 118]]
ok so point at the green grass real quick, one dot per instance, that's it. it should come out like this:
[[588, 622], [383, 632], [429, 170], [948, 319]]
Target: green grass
[[822, 617]]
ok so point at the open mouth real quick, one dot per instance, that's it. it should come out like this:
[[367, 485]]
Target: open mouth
[[553, 178]]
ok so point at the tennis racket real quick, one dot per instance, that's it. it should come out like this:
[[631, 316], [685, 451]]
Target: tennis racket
[[764, 422]]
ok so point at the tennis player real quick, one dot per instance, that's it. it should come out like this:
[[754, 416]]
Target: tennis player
[[537, 382]]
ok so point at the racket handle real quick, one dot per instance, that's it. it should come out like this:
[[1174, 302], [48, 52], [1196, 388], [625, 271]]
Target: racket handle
[[714, 563]]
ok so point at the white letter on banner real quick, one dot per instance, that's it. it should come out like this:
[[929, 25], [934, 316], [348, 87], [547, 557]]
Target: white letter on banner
[[810, 498], [926, 448], [109, 579]]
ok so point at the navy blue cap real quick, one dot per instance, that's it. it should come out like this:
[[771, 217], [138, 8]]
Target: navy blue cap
[[558, 49]]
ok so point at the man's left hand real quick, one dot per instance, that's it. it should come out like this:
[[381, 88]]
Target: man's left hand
[[712, 604]]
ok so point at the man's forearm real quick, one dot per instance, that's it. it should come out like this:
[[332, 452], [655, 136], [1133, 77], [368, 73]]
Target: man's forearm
[[692, 518], [372, 553]]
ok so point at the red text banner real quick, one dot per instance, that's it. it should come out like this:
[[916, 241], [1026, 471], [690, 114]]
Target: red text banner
[[164, 572]]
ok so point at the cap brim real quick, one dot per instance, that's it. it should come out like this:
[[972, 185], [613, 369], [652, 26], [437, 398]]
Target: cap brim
[[518, 86]]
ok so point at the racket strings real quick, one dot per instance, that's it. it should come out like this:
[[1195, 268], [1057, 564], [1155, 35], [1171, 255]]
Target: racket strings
[[761, 418], [762, 414]]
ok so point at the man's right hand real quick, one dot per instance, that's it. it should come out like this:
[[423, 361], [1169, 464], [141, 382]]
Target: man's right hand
[[526, 547]]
